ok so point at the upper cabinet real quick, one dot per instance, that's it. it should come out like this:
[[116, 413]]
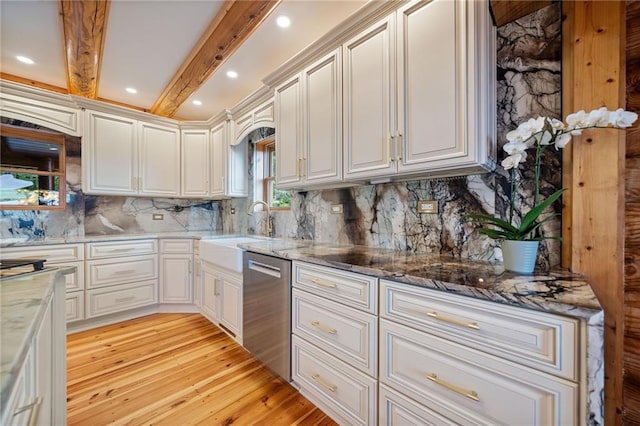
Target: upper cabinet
[[229, 175], [247, 121], [195, 162], [409, 93], [122, 156]]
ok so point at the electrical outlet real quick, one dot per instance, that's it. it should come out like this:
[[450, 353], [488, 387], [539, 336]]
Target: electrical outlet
[[336, 208], [427, 206], [157, 216], [233, 210]]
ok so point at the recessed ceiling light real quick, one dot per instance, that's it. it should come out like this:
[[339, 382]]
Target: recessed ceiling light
[[197, 102], [283, 21], [232, 74], [25, 60], [131, 90]]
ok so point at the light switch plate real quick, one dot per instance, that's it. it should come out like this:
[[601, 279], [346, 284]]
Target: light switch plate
[[157, 216], [427, 206], [336, 208]]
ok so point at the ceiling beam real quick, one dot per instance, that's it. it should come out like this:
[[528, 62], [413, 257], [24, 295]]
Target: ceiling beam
[[505, 11], [84, 24], [233, 24]]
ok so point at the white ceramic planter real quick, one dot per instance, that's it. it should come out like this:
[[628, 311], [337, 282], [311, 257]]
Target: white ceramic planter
[[520, 256]]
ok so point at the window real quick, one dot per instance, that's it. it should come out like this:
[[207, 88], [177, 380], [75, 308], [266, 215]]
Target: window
[[266, 168], [32, 169]]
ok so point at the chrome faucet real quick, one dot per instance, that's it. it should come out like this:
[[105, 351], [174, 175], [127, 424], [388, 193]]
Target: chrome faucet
[[266, 206]]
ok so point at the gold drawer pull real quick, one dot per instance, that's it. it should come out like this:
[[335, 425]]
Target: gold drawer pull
[[124, 271], [324, 328], [471, 394], [323, 283], [120, 250], [324, 383], [454, 321]]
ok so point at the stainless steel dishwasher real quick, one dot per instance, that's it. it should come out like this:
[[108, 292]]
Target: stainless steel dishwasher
[[266, 294]]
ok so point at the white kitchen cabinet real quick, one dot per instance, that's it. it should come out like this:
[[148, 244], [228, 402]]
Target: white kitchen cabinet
[[315, 96], [59, 255], [219, 146], [369, 101], [121, 275], [261, 115], [123, 156], [289, 133], [436, 116], [197, 279], [195, 162], [222, 299], [176, 271], [159, 160]]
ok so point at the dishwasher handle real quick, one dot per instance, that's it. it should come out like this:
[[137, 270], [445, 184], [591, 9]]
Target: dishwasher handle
[[263, 268]]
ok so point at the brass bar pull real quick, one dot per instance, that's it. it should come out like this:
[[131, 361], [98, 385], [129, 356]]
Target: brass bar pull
[[124, 271], [399, 145], [392, 157], [120, 250], [471, 394], [323, 283], [190, 267], [215, 287], [324, 328], [324, 383], [472, 325]]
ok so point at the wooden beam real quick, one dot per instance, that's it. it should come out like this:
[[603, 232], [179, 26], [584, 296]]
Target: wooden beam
[[84, 24], [505, 11], [229, 29], [594, 73]]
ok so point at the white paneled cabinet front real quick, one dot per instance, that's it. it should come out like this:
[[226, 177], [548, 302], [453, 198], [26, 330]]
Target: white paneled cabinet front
[[219, 152], [122, 156], [159, 160], [176, 271], [195, 163], [369, 97], [288, 106], [222, 299]]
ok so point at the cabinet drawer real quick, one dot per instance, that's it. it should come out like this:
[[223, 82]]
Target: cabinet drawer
[[124, 270], [74, 306], [356, 290], [54, 253], [397, 409], [439, 373], [120, 298], [346, 333], [74, 281], [176, 246], [349, 392], [121, 248], [537, 339]]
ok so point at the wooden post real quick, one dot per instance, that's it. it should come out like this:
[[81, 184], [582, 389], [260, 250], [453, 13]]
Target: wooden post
[[594, 76]]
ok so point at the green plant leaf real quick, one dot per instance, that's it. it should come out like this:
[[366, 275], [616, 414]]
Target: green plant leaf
[[491, 220], [530, 218]]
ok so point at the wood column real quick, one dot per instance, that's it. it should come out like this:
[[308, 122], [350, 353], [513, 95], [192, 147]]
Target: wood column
[[594, 76]]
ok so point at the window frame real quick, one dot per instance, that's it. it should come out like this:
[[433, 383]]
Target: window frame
[[47, 137], [265, 148]]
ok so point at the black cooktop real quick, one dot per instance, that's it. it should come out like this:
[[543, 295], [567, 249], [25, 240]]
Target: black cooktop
[[38, 264]]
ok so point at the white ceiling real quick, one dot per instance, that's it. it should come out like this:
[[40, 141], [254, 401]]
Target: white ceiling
[[147, 41]]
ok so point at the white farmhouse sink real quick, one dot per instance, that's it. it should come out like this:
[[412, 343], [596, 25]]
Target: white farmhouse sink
[[224, 252]]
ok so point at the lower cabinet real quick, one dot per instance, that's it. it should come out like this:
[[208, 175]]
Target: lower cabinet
[[221, 300], [176, 271]]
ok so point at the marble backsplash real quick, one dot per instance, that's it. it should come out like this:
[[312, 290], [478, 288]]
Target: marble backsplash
[[384, 215]]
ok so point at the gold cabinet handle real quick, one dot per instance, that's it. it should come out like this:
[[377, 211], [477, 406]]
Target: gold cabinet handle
[[399, 146], [467, 324], [391, 153], [471, 394], [190, 268], [324, 328], [215, 287], [324, 383], [124, 272], [323, 283]]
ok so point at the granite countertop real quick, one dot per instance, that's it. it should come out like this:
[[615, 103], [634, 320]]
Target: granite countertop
[[22, 302], [24, 242], [557, 291]]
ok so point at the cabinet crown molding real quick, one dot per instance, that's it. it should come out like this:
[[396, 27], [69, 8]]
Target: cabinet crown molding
[[123, 111]]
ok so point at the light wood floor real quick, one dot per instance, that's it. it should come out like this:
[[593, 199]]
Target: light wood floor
[[175, 369]]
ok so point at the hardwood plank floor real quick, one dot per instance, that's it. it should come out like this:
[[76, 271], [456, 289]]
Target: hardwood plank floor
[[175, 369]]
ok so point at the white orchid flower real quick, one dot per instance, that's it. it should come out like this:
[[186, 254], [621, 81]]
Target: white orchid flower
[[562, 140], [577, 120], [621, 118], [513, 160], [598, 118], [544, 138], [557, 124], [515, 148]]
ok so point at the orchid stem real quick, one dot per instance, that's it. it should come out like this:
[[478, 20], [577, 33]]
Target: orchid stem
[[513, 194]]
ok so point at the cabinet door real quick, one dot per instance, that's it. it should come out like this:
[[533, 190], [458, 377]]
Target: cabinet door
[[231, 305], [219, 151], [369, 97], [176, 278], [195, 163], [44, 368], [429, 88], [288, 134], [210, 293], [323, 120], [109, 155], [159, 160]]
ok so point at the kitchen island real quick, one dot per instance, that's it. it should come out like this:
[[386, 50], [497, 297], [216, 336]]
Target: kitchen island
[[33, 341]]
